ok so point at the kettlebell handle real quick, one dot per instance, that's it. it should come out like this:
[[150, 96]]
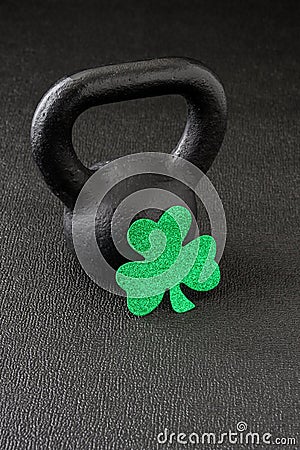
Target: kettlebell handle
[[51, 132]]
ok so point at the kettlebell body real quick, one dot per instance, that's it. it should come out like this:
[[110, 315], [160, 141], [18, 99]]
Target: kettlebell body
[[51, 133]]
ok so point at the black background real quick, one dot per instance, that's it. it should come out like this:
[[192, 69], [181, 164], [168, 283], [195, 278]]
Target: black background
[[77, 370]]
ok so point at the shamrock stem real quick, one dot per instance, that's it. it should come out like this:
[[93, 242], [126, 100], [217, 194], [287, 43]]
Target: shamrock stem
[[179, 301]]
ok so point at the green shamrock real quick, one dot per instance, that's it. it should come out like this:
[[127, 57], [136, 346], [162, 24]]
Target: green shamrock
[[167, 263]]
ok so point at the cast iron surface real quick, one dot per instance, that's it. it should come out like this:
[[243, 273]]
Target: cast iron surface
[[77, 370], [51, 133]]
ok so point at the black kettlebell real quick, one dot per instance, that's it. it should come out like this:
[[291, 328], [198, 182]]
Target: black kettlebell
[[51, 133]]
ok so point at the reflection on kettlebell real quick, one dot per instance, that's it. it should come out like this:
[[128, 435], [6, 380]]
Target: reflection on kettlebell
[[51, 133]]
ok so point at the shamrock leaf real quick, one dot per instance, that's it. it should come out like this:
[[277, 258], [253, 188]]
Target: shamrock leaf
[[167, 263]]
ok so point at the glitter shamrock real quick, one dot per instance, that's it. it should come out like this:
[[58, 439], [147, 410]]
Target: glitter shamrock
[[167, 263]]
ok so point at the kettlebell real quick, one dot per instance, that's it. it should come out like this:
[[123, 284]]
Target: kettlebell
[[64, 173]]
